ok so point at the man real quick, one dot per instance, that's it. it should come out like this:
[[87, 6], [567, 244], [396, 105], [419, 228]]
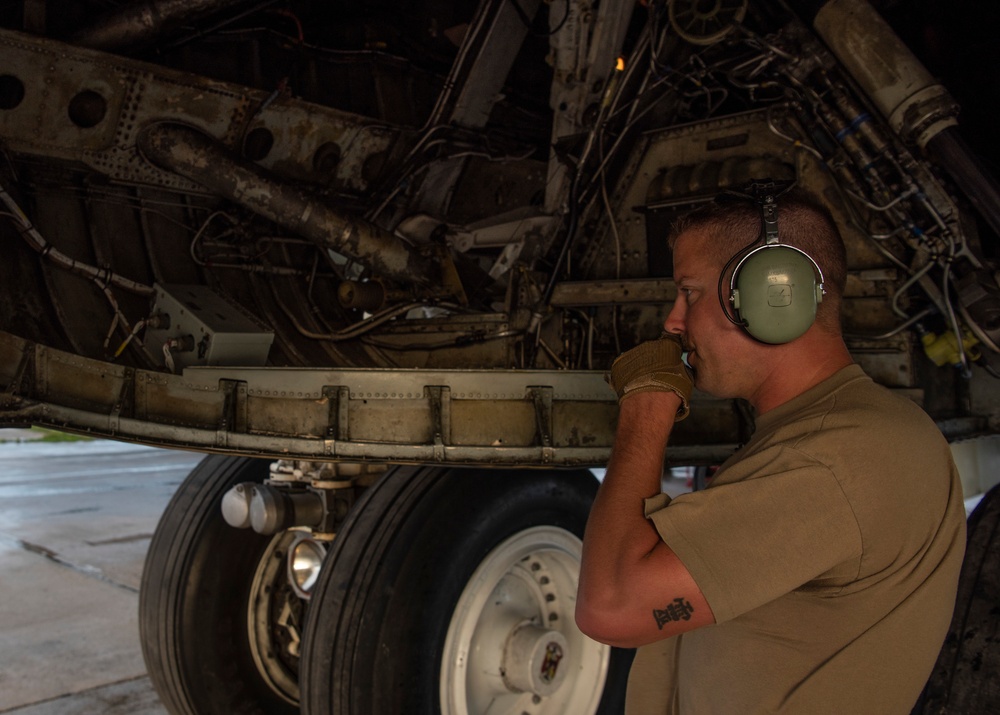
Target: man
[[817, 573]]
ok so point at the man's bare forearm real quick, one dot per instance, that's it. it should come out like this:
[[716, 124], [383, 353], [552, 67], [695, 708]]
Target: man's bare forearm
[[633, 474], [628, 574]]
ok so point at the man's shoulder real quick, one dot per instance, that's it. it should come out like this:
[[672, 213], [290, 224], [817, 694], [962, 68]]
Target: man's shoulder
[[851, 415], [863, 401], [852, 398]]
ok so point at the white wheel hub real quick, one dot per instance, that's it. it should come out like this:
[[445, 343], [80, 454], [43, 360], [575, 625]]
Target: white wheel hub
[[513, 645]]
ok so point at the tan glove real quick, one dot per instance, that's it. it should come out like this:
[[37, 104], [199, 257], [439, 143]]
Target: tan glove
[[653, 366]]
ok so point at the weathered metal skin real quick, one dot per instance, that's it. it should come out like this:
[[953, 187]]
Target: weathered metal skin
[[482, 417], [65, 103], [242, 158], [195, 156]]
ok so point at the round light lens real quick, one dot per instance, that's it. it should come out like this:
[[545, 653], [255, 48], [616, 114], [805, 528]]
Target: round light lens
[[305, 559]]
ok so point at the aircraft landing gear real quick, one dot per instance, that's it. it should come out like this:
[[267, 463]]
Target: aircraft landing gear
[[452, 591], [219, 623], [446, 591]]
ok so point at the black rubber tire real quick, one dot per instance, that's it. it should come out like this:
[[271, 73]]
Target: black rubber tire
[[381, 610], [194, 596], [966, 678]]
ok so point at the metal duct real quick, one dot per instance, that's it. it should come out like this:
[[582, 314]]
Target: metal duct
[[190, 153], [917, 107], [140, 24], [915, 104]]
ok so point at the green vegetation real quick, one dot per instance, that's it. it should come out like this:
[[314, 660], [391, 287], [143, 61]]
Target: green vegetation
[[40, 434], [51, 435]]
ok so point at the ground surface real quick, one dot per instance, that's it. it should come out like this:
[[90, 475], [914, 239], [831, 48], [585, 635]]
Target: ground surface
[[75, 523]]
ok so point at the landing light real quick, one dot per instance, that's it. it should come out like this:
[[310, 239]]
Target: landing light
[[305, 559]]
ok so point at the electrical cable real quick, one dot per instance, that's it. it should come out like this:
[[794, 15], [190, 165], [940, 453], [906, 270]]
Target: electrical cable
[[34, 239]]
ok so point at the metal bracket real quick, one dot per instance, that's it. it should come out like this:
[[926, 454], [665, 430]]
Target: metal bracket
[[542, 397], [440, 401], [124, 401], [234, 409], [338, 399], [25, 368]]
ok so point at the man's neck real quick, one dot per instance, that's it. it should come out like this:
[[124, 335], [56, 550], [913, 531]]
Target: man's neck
[[798, 367]]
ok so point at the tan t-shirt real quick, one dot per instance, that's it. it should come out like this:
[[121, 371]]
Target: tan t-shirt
[[828, 548]]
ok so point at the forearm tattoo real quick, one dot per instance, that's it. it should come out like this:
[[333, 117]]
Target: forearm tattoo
[[679, 610]]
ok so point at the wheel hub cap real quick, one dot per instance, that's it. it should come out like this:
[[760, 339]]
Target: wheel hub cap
[[533, 660]]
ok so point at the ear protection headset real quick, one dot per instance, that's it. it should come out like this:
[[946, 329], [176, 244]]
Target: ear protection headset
[[775, 288]]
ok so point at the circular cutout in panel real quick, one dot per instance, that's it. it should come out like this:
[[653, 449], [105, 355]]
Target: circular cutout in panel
[[11, 91], [87, 109], [326, 158], [258, 144]]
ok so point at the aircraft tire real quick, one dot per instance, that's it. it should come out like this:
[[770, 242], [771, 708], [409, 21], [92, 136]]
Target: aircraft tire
[[966, 678], [434, 572], [195, 625]]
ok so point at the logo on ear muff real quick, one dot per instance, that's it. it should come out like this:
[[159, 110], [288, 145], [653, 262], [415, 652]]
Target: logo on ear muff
[[773, 291]]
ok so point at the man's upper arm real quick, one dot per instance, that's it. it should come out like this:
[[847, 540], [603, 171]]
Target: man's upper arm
[[674, 602], [659, 598], [747, 543], [687, 608]]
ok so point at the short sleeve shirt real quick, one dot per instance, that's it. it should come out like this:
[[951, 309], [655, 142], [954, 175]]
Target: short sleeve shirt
[[828, 548]]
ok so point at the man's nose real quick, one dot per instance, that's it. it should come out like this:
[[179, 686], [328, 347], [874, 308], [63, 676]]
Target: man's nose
[[675, 318]]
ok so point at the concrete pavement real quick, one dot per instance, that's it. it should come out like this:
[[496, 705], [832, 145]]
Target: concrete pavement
[[75, 522]]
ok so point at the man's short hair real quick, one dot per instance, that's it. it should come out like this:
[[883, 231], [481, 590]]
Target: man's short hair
[[803, 222]]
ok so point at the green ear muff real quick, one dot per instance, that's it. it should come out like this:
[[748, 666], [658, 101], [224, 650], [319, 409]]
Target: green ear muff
[[774, 292]]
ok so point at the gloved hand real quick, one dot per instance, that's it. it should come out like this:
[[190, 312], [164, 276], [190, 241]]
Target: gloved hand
[[653, 366]]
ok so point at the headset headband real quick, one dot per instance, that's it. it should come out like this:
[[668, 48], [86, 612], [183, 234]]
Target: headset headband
[[763, 194], [769, 219]]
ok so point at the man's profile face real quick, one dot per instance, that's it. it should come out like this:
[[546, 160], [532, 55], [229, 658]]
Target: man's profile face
[[718, 350]]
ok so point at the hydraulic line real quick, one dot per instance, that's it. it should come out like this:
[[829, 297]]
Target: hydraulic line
[[192, 154], [139, 24], [101, 276]]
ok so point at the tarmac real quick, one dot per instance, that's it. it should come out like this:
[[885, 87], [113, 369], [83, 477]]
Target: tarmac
[[75, 523]]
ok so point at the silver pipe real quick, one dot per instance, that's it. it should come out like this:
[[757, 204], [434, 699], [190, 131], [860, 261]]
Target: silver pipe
[[140, 23], [190, 153], [916, 106]]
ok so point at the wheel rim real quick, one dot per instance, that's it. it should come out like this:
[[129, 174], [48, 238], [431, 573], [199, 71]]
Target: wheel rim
[[275, 620], [512, 644]]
